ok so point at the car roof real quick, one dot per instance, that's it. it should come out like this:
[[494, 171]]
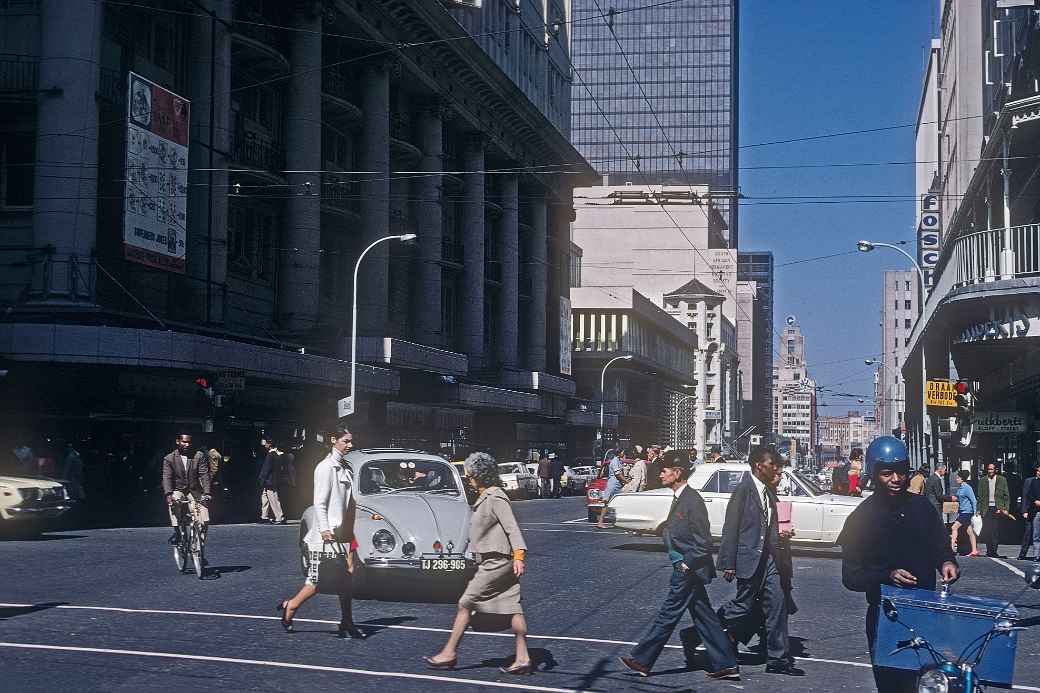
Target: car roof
[[369, 454]]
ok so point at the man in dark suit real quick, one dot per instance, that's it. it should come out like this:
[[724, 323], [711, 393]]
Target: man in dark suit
[[752, 553], [184, 474], [687, 536], [1031, 515], [935, 488]]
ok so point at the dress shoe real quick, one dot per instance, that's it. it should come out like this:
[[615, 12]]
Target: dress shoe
[[350, 631], [283, 607], [634, 665], [281, 522], [729, 674], [1022, 557], [784, 667]]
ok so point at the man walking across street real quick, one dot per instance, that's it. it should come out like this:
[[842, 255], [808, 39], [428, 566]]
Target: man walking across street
[[544, 477], [1031, 516], [184, 474], [935, 488], [687, 538], [751, 552], [653, 468], [556, 471], [270, 472], [892, 538], [993, 492]]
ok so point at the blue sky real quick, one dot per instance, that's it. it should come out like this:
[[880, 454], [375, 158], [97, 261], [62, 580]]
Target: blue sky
[[813, 67]]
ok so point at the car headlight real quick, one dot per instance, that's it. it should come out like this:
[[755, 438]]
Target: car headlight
[[29, 494], [408, 549], [383, 541], [933, 681]]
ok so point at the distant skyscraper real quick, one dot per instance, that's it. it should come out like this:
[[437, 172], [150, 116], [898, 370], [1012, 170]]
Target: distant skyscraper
[[684, 56], [757, 364]]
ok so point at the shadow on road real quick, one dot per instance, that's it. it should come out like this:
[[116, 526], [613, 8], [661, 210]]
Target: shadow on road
[[7, 612], [657, 547], [14, 535], [217, 571]]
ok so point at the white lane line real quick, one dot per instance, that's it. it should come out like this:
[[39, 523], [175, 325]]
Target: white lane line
[[287, 665], [1007, 565], [576, 520], [578, 531], [598, 641]]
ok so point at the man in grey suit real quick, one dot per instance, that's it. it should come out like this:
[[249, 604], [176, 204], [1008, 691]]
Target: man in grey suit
[[1031, 515], [935, 488], [752, 553], [184, 474], [687, 536]]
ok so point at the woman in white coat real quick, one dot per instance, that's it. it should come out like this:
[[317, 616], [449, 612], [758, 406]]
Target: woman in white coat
[[333, 482]]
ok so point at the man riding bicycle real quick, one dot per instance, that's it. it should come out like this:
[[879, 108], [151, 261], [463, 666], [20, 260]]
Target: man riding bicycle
[[184, 475]]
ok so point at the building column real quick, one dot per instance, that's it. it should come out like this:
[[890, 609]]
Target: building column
[[298, 278], [426, 300], [538, 271], [65, 179], [472, 294], [206, 254], [373, 278], [509, 256]]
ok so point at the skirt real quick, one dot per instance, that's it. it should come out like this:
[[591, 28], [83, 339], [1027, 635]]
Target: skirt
[[494, 588]]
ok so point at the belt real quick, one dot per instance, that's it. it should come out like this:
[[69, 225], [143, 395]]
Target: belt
[[479, 557]]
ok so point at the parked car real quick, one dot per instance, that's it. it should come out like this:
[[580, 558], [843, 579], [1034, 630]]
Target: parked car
[[817, 516], [29, 504], [517, 481], [412, 519], [574, 480], [595, 488]]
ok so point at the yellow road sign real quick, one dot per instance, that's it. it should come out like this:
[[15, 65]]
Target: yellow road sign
[[941, 393]]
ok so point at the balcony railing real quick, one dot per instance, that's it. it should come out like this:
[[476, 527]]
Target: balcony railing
[[258, 154], [1010, 253], [251, 19], [338, 81], [18, 75], [341, 191]]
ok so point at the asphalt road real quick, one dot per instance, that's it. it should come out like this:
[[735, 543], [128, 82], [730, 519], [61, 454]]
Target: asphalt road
[[104, 610]]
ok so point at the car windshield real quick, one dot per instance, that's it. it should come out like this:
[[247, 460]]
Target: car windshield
[[510, 468], [809, 484], [417, 476]]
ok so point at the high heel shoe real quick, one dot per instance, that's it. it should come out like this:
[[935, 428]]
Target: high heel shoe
[[350, 630], [440, 666], [521, 670], [283, 607]]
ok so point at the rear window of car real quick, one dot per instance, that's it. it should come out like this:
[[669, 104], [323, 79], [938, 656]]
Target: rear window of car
[[724, 481]]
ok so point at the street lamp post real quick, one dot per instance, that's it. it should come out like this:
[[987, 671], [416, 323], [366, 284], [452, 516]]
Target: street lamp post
[[346, 405], [866, 247], [602, 382]]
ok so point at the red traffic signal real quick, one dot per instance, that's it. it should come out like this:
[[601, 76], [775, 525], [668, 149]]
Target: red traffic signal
[[961, 387], [202, 382]]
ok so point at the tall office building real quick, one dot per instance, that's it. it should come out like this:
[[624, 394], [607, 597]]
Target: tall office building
[[898, 317], [757, 362], [682, 59], [794, 394]]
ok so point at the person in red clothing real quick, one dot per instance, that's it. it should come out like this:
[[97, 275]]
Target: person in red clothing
[[855, 469]]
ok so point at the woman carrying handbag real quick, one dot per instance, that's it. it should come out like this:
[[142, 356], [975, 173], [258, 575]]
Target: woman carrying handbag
[[496, 541], [330, 539]]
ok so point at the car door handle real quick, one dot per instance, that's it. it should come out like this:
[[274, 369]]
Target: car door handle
[[707, 500]]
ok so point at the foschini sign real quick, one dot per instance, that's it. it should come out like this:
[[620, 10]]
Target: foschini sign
[[1000, 422]]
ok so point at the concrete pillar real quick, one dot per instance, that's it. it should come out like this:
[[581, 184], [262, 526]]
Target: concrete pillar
[[206, 254], [299, 258], [538, 259], [373, 279], [426, 300], [65, 197], [472, 290], [509, 256]]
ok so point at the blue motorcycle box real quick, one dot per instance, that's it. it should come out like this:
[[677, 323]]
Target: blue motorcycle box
[[952, 624]]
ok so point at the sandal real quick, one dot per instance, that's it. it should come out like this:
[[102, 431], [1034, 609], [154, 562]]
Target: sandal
[[521, 670], [431, 663]]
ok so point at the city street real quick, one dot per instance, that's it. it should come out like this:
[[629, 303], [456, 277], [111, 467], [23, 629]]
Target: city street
[[104, 610]]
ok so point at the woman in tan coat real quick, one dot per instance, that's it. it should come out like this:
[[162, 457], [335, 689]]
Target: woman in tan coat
[[496, 541]]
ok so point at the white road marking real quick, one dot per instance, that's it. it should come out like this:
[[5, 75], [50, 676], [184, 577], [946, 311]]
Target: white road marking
[[288, 665], [576, 520], [427, 629], [577, 531], [1007, 565]]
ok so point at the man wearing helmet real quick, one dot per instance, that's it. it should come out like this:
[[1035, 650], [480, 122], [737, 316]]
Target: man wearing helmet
[[894, 538]]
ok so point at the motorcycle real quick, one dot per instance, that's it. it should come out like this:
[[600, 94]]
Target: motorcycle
[[959, 675]]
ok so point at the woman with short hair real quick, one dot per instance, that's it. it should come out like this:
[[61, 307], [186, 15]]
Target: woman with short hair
[[967, 506], [499, 548], [331, 533]]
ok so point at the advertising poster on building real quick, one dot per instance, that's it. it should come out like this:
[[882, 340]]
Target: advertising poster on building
[[156, 195], [565, 336]]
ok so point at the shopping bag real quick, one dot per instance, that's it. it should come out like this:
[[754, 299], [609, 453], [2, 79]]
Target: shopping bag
[[333, 570], [976, 524]]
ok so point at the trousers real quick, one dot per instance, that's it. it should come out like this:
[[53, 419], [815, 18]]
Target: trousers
[[887, 680], [991, 530], [766, 585], [269, 503], [686, 593], [1031, 534]]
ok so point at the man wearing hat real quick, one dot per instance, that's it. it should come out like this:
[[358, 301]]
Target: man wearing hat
[[687, 537], [894, 538], [716, 454]]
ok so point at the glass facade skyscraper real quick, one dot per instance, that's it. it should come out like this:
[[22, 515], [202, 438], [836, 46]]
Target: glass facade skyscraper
[[684, 56]]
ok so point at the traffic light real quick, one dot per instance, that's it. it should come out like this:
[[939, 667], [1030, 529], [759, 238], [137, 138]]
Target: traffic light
[[204, 386], [965, 409]]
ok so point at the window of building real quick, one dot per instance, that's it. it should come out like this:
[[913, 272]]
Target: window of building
[[906, 342], [897, 362], [907, 323], [907, 285], [897, 305], [896, 323], [16, 170], [906, 304], [251, 241], [896, 345]]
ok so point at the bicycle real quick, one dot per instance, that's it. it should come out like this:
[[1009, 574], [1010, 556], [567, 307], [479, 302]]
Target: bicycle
[[192, 542]]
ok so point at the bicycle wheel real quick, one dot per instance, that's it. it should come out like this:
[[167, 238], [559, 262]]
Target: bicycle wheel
[[196, 551], [178, 558]]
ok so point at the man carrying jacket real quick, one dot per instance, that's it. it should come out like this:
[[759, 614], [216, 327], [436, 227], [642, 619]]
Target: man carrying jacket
[[751, 552], [687, 537], [994, 497]]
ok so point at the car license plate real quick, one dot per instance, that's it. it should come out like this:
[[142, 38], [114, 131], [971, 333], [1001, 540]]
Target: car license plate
[[442, 565]]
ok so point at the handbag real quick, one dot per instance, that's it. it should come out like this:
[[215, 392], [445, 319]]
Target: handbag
[[976, 524], [334, 571]]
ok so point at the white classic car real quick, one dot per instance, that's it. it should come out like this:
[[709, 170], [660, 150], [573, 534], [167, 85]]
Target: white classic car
[[28, 503], [517, 480], [817, 517], [412, 518]]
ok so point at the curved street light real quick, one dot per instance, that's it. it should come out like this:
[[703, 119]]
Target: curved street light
[[347, 407], [602, 379]]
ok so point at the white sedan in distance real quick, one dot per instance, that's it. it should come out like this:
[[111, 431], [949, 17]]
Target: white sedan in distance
[[817, 516]]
